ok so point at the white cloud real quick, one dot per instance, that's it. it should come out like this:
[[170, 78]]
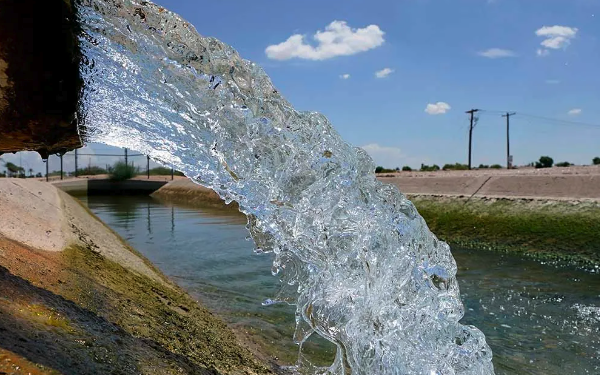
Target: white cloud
[[384, 72], [345, 76], [555, 37], [438, 108], [495, 53], [542, 52], [575, 112], [388, 157], [338, 39]]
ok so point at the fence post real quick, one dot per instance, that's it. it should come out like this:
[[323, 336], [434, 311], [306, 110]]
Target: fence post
[[76, 173], [148, 165], [61, 166], [172, 172], [126, 157], [47, 162]]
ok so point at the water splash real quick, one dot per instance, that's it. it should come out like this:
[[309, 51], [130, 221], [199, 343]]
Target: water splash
[[353, 254]]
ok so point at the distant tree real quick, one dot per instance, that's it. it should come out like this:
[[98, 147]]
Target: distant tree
[[38, 175], [30, 172], [496, 166], [91, 170], [545, 162], [483, 166], [564, 164], [455, 167], [57, 174], [427, 168], [13, 169], [406, 168], [596, 160], [379, 169]]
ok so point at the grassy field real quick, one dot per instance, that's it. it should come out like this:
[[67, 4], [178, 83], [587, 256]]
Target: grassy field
[[553, 230]]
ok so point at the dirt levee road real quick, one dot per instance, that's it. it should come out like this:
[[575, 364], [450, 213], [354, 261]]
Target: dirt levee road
[[553, 183]]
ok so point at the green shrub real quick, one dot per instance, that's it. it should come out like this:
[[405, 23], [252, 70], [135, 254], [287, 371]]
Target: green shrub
[[545, 162], [427, 168], [164, 171], [455, 167], [564, 164], [406, 168], [57, 174], [496, 166], [91, 171], [121, 171], [596, 160], [483, 166]]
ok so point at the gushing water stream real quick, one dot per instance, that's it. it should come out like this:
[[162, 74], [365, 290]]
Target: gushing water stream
[[353, 255]]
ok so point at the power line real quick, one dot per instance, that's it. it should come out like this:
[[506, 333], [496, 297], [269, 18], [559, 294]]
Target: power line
[[491, 111], [555, 121], [559, 121]]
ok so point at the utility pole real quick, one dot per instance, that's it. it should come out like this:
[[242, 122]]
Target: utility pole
[[76, 171], [472, 113], [126, 162], [507, 115]]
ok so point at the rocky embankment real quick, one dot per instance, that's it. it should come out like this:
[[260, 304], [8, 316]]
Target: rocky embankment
[[75, 299]]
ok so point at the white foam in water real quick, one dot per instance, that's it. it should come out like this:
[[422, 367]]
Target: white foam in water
[[353, 254]]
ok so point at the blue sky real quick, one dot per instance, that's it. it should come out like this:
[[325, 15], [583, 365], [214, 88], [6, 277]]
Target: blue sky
[[434, 49], [537, 57]]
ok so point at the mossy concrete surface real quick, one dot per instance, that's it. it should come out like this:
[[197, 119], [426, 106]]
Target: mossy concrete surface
[[89, 310], [184, 191], [547, 229]]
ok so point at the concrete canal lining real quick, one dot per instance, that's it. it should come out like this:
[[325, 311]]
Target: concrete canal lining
[[109, 187]]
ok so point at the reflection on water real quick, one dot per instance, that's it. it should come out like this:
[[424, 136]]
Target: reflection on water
[[537, 319]]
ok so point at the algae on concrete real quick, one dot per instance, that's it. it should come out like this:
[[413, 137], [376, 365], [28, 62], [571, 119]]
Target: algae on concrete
[[98, 307], [566, 231]]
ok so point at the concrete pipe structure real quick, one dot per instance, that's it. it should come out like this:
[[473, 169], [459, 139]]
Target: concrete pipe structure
[[39, 76]]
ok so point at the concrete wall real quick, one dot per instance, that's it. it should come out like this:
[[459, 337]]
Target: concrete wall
[[108, 187]]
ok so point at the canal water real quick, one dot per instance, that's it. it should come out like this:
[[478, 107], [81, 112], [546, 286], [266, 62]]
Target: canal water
[[538, 319]]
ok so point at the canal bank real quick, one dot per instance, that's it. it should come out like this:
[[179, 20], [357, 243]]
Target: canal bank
[[565, 229], [85, 186], [537, 318], [76, 299]]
